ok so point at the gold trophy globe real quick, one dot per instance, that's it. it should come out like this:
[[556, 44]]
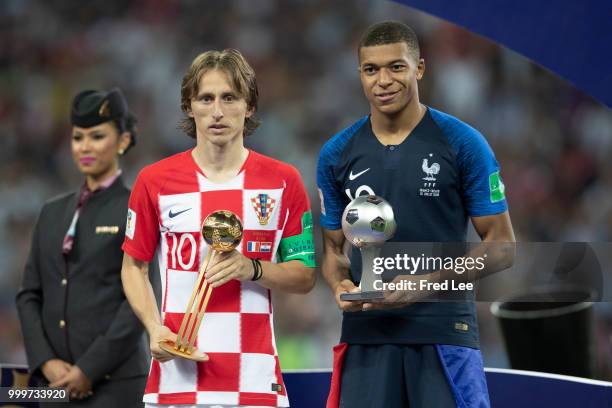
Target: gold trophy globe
[[222, 231]]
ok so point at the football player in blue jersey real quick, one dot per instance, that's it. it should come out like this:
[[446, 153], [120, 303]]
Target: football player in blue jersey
[[437, 173]]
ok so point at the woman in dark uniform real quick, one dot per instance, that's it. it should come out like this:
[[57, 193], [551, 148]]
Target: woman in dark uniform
[[78, 328]]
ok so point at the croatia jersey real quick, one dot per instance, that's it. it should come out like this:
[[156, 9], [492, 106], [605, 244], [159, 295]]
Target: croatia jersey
[[169, 202], [443, 173]]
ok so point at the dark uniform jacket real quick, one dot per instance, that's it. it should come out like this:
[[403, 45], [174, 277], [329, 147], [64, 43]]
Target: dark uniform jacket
[[74, 307]]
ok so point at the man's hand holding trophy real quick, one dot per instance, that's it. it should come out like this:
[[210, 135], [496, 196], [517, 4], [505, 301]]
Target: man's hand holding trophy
[[367, 223], [222, 231]]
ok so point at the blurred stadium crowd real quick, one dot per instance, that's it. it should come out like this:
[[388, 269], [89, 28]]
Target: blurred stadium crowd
[[553, 142]]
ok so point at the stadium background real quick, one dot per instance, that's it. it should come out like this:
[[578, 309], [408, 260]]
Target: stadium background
[[552, 140]]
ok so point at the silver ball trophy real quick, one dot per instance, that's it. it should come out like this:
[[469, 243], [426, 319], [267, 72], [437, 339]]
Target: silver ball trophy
[[367, 222]]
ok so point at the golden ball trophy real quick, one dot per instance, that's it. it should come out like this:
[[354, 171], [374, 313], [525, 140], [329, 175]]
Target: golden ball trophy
[[222, 231]]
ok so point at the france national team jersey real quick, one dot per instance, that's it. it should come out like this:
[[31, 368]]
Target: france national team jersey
[[435, 179]]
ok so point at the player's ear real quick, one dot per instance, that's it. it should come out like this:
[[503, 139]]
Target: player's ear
[[250, 112], [420, 69], [186, 106]]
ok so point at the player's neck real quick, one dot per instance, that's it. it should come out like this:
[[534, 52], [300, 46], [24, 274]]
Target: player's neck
[[394, 129], [220, 163]]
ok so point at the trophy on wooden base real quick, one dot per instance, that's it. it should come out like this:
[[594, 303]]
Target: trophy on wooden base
[[222, 231]]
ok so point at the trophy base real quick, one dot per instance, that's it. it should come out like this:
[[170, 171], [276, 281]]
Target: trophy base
[[362, 296], [196, 355]]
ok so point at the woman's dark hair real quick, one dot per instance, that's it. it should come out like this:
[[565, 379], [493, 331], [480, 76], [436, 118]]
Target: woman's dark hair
[[128, 124]]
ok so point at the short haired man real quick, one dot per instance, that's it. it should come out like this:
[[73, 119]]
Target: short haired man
[[424, 354], [170, 200]]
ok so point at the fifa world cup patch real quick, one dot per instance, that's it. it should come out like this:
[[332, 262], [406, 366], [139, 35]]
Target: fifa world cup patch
[[256, 246], [130, 225], [322, 201], [263, 205], [497, 190]]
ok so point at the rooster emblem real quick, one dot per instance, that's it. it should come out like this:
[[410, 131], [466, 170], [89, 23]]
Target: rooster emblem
[[430, 170]]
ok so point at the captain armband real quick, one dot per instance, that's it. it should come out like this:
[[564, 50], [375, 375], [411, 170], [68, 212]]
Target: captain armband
[[299, 247]]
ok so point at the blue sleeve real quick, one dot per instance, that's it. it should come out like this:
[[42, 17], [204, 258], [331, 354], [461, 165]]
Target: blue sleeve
[[483, 188], [329, 192], [332, 198], [481, 184]]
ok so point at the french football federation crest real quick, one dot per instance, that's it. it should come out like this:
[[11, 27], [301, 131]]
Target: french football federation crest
[[263, 205]]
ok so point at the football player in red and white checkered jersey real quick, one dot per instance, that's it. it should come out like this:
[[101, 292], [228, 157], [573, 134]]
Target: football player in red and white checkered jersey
[[169, 202]]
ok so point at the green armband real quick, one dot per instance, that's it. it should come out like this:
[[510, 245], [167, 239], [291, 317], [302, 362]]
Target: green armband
[[299, 247]]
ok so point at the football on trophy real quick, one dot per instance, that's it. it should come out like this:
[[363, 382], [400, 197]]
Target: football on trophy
[[368, 220]]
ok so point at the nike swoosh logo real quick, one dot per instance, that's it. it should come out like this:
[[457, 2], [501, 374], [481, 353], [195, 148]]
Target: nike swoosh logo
[[354, 176], [172, 215]]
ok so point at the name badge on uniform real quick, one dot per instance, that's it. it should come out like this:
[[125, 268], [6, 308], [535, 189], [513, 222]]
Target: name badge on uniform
[[107, 229]]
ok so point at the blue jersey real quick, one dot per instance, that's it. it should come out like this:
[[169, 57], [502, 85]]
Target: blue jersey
[[435, 179]]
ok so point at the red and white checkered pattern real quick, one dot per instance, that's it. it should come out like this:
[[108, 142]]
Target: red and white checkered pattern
[[171, 199]]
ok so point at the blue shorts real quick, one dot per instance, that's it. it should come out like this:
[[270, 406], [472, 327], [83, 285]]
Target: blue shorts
[[412, 376]]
